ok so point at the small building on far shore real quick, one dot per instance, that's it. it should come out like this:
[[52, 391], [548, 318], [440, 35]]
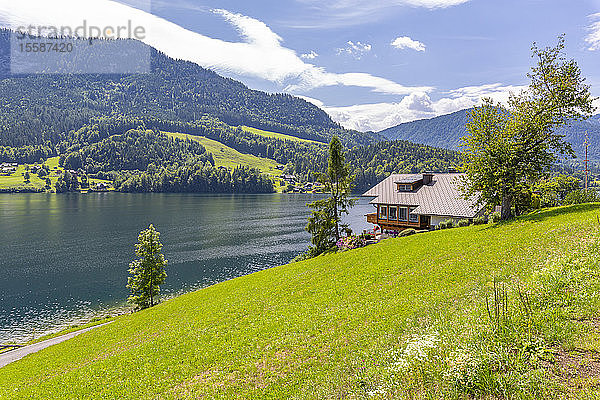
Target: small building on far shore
[[101, 187], [420, 201], [8, 168]]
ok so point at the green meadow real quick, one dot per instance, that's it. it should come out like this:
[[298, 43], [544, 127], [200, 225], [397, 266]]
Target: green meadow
[[276, 135], [228, 157], [17, 178], [505, 310]]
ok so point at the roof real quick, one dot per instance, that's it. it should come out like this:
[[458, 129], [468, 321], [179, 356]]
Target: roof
[[441, 197], [409, 179]]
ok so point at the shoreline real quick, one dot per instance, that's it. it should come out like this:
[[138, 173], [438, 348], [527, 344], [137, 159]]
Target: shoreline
[[60, 328]]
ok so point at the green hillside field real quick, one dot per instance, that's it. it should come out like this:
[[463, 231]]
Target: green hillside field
[[276, 135], [16, 179], [405, 318], [228, 157]]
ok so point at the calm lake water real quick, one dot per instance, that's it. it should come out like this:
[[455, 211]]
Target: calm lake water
[[65, 257]]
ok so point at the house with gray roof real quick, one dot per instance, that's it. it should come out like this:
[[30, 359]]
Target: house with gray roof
[[419, 201]]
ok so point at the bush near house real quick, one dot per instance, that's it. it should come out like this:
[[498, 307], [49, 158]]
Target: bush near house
[[408, 232], [446, 224], [495, 217], [479, 221]]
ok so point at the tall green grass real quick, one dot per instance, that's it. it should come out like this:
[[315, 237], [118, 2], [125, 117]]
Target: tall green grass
[[406, 318]]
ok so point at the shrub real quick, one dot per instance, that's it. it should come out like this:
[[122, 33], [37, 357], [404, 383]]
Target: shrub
[[407, 232], [495, 217], [463, 223], [582, 196], [350, 242], [447, 224], [479, 221]]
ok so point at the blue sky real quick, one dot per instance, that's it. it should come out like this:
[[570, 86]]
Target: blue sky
[[370, 64]]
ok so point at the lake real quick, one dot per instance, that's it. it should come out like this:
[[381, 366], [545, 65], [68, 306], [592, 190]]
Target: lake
[[65, 257]]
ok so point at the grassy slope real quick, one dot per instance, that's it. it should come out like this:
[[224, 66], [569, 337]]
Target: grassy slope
[[277, 135], [228, 157], [306, 329], [16, 178]]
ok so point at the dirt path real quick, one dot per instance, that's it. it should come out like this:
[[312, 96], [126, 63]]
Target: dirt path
[[14, 355]]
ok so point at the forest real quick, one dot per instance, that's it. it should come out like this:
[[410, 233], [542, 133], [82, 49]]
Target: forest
[[40, 109], [111, 126], [102, 151]]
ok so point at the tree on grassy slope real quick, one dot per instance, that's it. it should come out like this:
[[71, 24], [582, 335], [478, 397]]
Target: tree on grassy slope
[[324, 224], [508, 148], [148, 271]]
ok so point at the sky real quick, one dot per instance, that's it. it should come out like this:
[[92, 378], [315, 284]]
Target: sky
[[369, 64]]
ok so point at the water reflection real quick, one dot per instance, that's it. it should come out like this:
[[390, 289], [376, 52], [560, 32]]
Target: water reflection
[[65, 257]]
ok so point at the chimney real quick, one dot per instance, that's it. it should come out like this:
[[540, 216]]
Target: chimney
[[427, 178]]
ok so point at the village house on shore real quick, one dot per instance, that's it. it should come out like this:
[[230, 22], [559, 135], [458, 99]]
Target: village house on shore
[[419, 201], [8, 168]]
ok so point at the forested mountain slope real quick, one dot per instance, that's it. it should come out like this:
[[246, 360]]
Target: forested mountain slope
[[109, 126], [446, 130], [94, 147], [42, 108]]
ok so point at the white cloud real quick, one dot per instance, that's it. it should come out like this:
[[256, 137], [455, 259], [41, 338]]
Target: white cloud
[[318, 77], [379, 116], [404, 42], [355, 50], [335, 13], [309, 56], [314, 101], [417, 105], [496, 91], [593, 37], [260, 54]]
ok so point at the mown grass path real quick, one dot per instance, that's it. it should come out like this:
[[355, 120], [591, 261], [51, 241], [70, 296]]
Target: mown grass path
[[17, 354]]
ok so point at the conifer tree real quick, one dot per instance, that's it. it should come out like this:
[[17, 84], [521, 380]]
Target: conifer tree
[[148, 271], [324, 224]]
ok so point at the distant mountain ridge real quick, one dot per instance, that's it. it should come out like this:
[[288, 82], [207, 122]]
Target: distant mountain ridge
[[445, 131], [40, 109]]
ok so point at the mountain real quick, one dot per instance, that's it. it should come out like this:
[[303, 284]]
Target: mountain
[[445, 131], [42, 108]]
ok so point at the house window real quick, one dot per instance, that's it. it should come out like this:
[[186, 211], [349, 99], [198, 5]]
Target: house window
[[404, 188], [402, 213], [383, 212], [393, 211], [412, 217]]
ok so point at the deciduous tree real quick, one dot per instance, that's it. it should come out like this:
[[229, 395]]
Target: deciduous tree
[[508, 148]]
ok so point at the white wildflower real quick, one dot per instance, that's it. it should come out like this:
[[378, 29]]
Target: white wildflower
[[417, 350], [376, 392]]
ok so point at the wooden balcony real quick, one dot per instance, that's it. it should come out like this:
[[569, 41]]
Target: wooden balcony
[[422, 223]]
